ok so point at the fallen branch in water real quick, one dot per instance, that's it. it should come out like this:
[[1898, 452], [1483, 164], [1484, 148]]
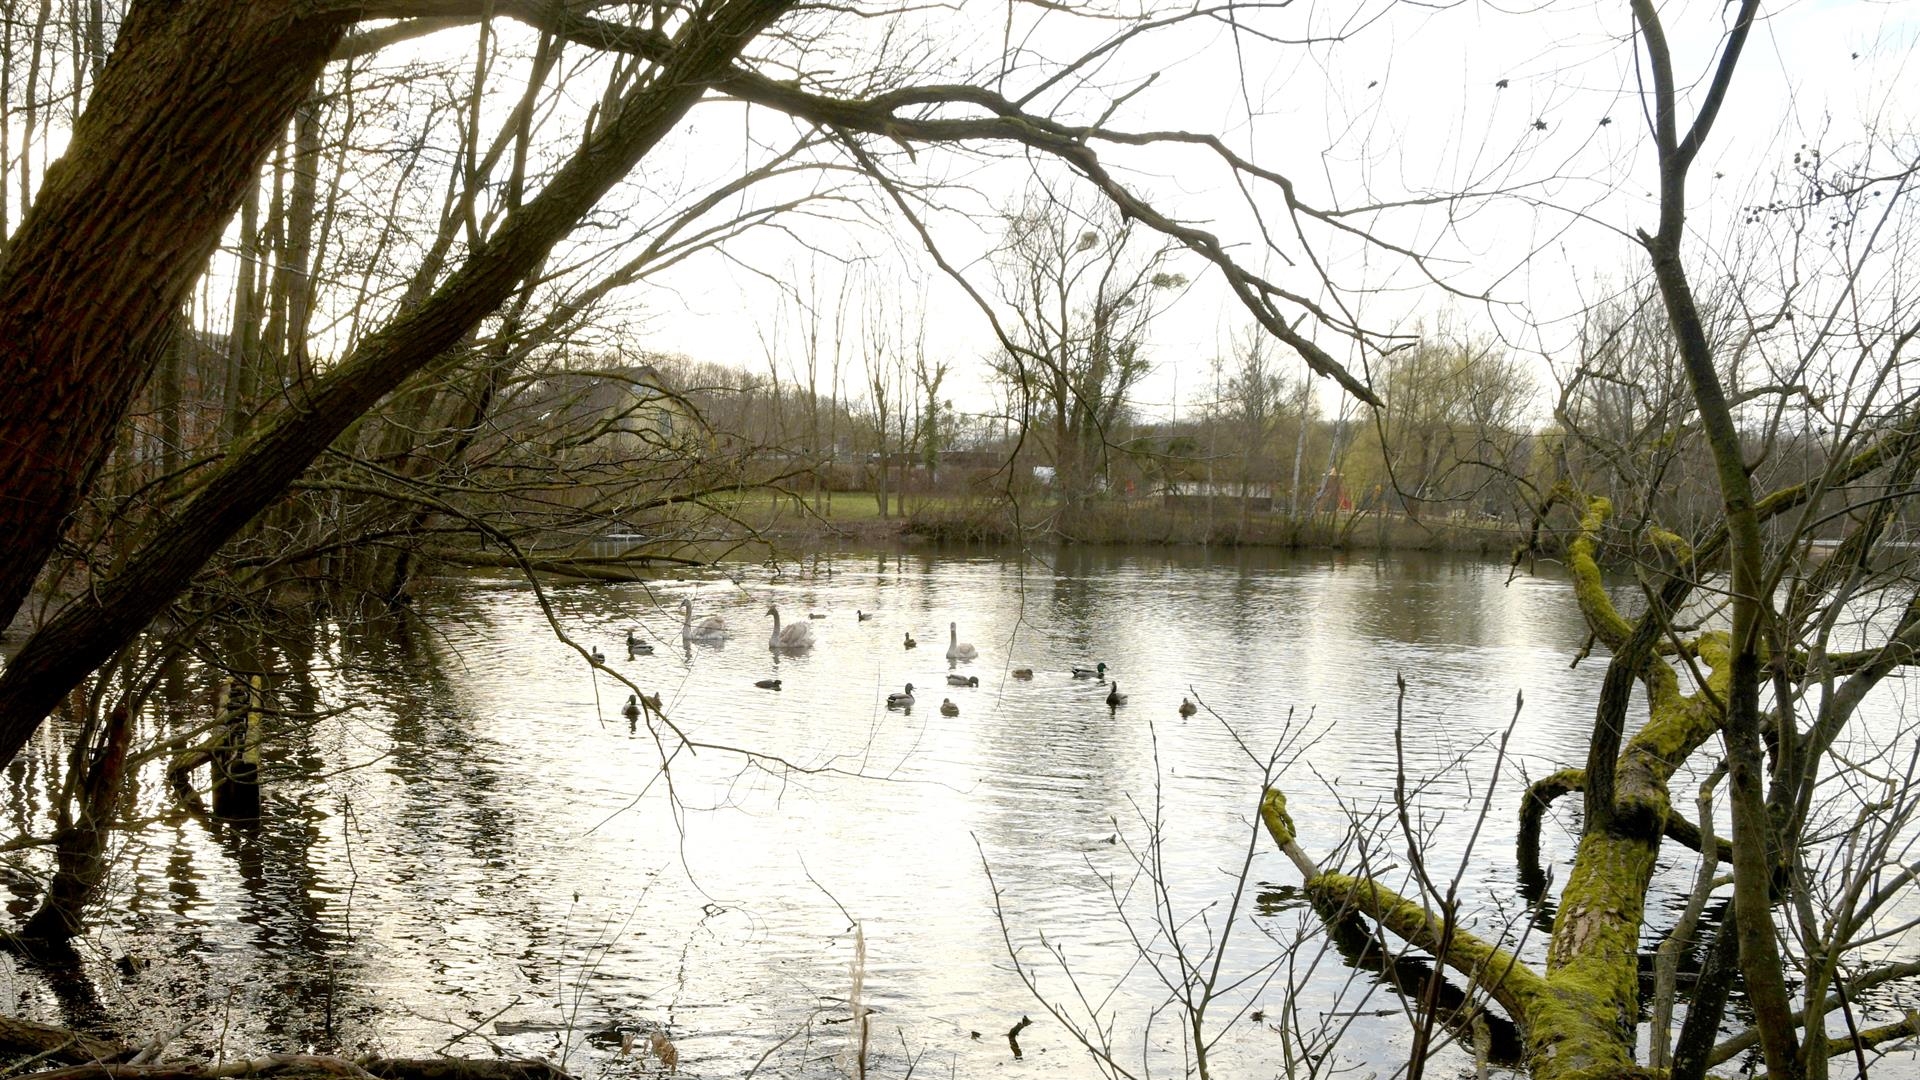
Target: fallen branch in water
[[86, 1057]]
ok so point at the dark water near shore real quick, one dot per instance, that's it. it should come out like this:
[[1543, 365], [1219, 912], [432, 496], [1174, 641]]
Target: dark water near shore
[[467, 833]]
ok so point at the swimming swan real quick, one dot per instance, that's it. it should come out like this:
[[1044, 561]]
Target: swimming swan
[[901, 701], [957, 649], [711, 628], [792, 636]]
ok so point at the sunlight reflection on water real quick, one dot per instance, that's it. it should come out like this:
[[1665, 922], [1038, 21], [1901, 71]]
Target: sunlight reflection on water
[[512, 850]]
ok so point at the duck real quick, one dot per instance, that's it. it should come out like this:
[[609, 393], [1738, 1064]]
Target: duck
[[1025, 674], [651, 701], [1098, 671], [768, 684], [910, 642], [792, 636], [957, 649], [631, 710], [599, 658], [861, 616], [1188, 708], [901, 701], [963, 680], [948, 708], [636, 647], [816, 614], [711, 628], [1115, 698]]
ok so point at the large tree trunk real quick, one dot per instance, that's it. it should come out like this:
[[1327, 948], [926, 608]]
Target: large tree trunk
[[192, 98], [259, 471]]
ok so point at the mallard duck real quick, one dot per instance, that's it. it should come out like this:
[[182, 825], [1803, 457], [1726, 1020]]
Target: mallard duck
[[1188, 708], [651, 701], [963, 680], [948, 708], [910, 642], [1098, 671], [861, 616], [768, 684], [636, 647], [957, 649], [1115, 698], [816, 614], [631, 710], [597, 656], [793, 636], [901, 701], [1023, 673], [710, 629]]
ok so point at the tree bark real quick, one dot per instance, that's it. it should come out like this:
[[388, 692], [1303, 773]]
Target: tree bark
[[192, 98], [262, 466]]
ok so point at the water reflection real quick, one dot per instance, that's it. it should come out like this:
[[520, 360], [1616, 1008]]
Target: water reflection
[[463, 827]]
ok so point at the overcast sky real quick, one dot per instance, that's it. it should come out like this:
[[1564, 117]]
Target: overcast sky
[[1410, 104]]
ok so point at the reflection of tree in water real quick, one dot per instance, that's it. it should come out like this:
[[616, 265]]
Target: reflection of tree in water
[[1398, 968]]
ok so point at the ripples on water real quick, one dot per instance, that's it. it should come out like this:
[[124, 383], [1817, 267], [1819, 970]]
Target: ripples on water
[[489, 840]]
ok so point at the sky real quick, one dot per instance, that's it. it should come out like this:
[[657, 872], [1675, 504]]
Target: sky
[[1410, 105]]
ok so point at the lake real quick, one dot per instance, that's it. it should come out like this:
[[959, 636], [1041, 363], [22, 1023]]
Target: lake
[[468, 846]]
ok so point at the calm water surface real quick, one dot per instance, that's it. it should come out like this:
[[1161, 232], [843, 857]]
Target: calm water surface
[[470, 838]]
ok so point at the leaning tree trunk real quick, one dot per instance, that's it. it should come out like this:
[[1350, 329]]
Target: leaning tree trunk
[[192, 98], [264, 465]]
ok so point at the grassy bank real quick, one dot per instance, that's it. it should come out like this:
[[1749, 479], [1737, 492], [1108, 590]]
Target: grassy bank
[[1137, 521]]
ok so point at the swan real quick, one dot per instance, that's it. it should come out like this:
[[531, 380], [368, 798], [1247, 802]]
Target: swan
[[636, 647], [901, 701], [768, 684], [861, 616], [711, 628], [1023, 673], [963, 680], [632, 708], [948, 708], [1098, 671], [1187, 708], [957, 649], [1115, 698], [910, 642], [793, 636]]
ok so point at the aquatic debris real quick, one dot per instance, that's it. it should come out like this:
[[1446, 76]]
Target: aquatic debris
[[662, 1049]]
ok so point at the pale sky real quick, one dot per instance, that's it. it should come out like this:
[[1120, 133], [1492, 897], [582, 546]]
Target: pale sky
[[1408, 106]]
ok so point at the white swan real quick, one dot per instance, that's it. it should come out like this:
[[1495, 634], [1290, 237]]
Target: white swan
[[957, 649], [711, 628], [793, 636]]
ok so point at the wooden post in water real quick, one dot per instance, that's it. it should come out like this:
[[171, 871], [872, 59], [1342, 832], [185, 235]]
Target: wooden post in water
[[236, 757]]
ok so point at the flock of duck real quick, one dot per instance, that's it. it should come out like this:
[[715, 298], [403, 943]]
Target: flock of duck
[[798, 636]]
